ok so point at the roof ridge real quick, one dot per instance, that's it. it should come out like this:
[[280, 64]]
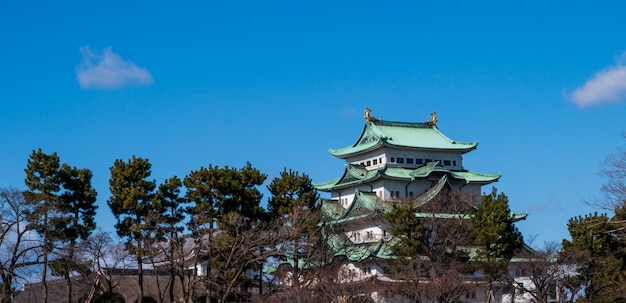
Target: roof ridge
[[403, 123]]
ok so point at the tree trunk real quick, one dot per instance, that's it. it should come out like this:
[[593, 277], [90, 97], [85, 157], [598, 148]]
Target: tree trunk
[[140, 278], [6, 289], [172, 284], [68, 287], [44, 272]]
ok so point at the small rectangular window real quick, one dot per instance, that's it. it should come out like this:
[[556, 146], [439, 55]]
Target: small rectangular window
[[446, 162], [392, 160], [375, 161], [368, 163], [454, 163], [410, 194], [397, 194], [419, 161], [409, 160], [429, 160], [400, 160]]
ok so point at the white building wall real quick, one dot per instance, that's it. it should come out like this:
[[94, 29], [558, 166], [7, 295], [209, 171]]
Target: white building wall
[[368, 234], [407, 158]]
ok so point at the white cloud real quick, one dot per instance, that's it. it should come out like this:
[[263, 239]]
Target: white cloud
[[608, 86], [107, 70]]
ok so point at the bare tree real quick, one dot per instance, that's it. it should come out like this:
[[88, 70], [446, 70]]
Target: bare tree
[[430, 237], [614, 171], [20, 246], [313, 271], [107, 256], [614, 189], [239, 247], [542, 273]]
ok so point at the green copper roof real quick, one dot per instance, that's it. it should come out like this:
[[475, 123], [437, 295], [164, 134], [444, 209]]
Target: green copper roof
[[401, 134], [357, 174], [366, 203], [331, 209], [362, 251]]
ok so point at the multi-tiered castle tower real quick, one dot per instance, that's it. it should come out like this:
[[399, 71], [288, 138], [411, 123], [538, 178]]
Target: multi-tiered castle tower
[[392, 162]]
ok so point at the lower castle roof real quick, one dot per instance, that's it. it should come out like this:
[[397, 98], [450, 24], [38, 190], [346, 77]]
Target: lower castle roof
[[357, 174]]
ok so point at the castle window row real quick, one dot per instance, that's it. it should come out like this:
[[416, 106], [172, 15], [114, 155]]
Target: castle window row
[[406, 160], [400, 160]]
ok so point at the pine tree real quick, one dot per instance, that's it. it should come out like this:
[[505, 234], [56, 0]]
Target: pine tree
[[408, 246], [132, 203], [168, 224], [78, 208], [229, 198], [293, 204], [291, 190], [595, 252], [495, 235], [43, 182]]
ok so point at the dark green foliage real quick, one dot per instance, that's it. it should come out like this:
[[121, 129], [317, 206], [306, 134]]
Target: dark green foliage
[[216, 191], [495, 235], [132, 203], [229, 198], [131, 199], [42, 175], [293, 213], [44, 184], [168, 226], [77, 203], [42, 180], [290, 190], [110, 297], [170, 206], [597, 247], [598, 255], [64, 266], [429, 260], [64, 210], [409, 229]]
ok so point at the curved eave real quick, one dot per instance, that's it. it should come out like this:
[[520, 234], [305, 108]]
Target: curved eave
[[339, 183], [350, 219], [356, 149], [463, 150], [327, 186], [474, 177], [400, 173], [456, 176]]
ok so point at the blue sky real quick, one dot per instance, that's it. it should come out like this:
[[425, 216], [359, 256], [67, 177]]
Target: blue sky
[[541, 87]]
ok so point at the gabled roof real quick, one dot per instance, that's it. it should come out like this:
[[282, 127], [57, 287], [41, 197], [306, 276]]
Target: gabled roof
[[355, 174], [362, 251], [366, 203], [401, 134]]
